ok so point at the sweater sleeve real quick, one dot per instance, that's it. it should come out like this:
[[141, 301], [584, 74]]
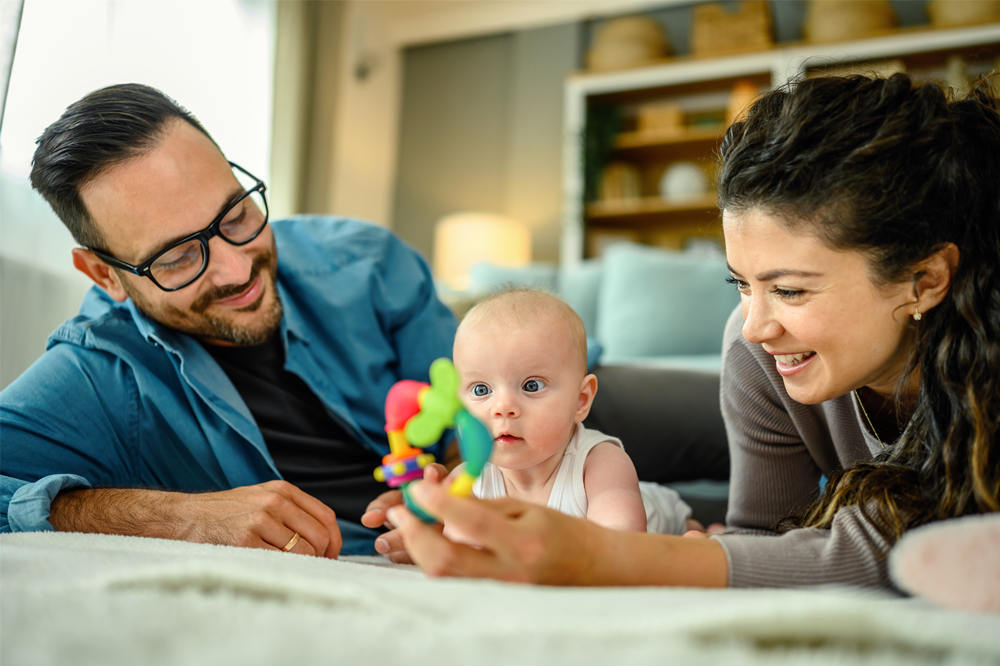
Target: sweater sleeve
[[780, 449]]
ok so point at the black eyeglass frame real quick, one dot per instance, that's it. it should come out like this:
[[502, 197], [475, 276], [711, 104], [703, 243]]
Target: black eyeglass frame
[[202, 236]]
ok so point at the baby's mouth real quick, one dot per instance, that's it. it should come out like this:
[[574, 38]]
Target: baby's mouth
[[506, 438]]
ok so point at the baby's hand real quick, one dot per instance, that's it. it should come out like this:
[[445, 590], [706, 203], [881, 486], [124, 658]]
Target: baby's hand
[[696, 529], [390, 544]]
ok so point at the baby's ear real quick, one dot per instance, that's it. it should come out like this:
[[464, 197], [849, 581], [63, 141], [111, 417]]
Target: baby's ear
[[588, 389]]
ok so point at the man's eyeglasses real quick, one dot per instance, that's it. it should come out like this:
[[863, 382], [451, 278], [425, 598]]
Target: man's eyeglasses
[[182, 262]]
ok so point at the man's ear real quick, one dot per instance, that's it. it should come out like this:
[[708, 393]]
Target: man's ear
[[103, 275], [588, 389], [932, 277]]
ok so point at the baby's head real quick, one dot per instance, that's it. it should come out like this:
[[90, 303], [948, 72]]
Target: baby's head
[[521, 357]]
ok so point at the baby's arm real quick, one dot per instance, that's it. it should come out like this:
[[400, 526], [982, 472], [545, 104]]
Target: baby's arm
[[612, 487]]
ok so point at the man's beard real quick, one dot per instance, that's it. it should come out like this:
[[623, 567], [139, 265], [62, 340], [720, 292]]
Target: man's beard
[[197, 321]]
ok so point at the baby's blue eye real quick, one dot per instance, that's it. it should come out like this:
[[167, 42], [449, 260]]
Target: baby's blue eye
[[480, 390], [533, 385]]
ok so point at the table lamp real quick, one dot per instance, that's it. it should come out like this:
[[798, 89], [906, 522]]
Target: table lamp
[[466, 238]]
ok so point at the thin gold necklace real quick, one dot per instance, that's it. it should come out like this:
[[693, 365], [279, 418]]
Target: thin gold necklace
[[868, 419]]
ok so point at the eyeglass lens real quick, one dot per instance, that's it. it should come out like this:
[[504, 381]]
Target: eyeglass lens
[[185, 262]]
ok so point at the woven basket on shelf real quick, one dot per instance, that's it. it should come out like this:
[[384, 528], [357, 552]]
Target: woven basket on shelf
[[631, 41], [945, 13], [836, 20], [720, 32]]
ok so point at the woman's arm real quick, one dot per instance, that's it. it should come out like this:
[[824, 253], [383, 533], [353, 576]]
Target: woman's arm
[[533, 544], [612, 488]]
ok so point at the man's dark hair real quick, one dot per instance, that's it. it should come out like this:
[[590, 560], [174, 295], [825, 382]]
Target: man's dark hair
[[106, 127]]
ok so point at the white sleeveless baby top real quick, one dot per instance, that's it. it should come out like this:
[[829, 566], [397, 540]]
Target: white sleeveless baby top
[[666, 513]]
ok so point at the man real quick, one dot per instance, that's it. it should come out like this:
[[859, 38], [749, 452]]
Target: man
[[225, 382]]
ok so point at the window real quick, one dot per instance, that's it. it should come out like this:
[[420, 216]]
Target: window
[[215, 58]]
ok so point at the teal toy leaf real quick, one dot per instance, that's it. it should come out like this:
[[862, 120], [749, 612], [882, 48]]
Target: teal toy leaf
[[474, 442]]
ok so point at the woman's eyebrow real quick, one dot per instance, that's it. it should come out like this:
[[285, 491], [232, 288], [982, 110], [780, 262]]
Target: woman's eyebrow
[[785, 272], [777, 273]]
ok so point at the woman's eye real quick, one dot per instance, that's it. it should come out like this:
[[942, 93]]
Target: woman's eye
[[480, 390], [741, 285], [787, 294], [533, 385]]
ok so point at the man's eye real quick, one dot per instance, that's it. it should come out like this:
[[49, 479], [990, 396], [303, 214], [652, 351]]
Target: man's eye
[[235, 221], [179, 258], [533, 385], [480, 390]]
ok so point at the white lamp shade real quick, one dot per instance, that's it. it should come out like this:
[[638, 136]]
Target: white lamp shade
[[462, 240]]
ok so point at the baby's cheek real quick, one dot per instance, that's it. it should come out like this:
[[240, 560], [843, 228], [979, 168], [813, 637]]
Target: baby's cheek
[[478, 408]]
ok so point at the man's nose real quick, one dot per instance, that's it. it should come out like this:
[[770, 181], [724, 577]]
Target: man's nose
[[227, 263]]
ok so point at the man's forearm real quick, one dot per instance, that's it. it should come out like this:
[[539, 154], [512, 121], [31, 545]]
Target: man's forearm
[[271, 514], [132, 512]]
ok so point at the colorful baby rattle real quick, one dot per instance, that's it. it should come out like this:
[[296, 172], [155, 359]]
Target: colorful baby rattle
[[416, 415]]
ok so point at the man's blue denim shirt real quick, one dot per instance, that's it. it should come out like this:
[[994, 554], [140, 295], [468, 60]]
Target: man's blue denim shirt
[[118, 400]]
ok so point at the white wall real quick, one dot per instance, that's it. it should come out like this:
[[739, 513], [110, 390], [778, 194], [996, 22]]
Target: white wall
[[215, 58], [366, 137]]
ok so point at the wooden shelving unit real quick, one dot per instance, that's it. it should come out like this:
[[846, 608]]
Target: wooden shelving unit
[[668, 139], [650, 209], [701, 86]]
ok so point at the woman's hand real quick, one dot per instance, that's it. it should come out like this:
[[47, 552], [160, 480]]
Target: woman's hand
[[528, 543], [518, 541], [390, 544]]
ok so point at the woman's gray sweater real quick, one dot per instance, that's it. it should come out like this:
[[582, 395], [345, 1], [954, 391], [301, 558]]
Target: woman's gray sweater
[[780, 449]]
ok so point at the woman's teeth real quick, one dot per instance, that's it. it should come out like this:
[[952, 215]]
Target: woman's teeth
[[792, 359]]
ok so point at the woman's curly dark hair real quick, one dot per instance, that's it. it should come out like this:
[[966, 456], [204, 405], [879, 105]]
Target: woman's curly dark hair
[[897, 170]]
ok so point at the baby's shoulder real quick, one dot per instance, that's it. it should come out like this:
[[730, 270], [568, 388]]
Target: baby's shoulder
[[605, 452]]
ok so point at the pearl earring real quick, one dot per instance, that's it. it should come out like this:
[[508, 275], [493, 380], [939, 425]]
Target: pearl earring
[[917, 316]]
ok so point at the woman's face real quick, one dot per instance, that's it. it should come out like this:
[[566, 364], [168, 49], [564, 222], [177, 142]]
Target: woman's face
[[829, 328]]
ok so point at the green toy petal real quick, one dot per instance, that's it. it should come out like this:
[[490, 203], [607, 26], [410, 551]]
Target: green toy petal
[[438, 405]]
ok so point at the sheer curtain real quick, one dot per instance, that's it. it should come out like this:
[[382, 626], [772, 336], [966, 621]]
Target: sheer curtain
[[215, 58]]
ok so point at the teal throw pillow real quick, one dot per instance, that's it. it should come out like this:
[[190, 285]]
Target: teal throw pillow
[[656, 302], [579, 287], [487, 277]]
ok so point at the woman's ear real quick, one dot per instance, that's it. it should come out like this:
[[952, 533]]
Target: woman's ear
[[588, 389], [932, 277], [107, 279]]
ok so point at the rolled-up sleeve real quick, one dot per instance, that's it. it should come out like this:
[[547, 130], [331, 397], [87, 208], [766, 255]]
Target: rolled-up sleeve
[[24, 505]]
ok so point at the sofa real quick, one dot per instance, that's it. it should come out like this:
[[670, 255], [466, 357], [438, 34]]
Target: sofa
[[654, 321]]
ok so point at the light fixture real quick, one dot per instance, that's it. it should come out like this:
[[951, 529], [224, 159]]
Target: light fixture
[[461, 240]]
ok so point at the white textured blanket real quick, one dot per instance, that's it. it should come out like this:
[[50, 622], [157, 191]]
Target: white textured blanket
[[89, 599]]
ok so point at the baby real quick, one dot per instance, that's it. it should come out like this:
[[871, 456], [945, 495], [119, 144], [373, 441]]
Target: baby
[[521, 357]]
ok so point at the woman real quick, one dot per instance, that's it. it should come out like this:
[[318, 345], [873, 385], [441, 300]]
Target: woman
[[862, 227]]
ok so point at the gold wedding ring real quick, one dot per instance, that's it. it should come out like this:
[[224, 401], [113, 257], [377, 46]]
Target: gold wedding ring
[[291, 542]]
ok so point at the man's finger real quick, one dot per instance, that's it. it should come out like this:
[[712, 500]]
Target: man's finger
[[315, 522]]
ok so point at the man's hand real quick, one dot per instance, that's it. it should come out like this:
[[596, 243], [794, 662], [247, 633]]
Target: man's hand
[[390, 544], [266, 515]]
